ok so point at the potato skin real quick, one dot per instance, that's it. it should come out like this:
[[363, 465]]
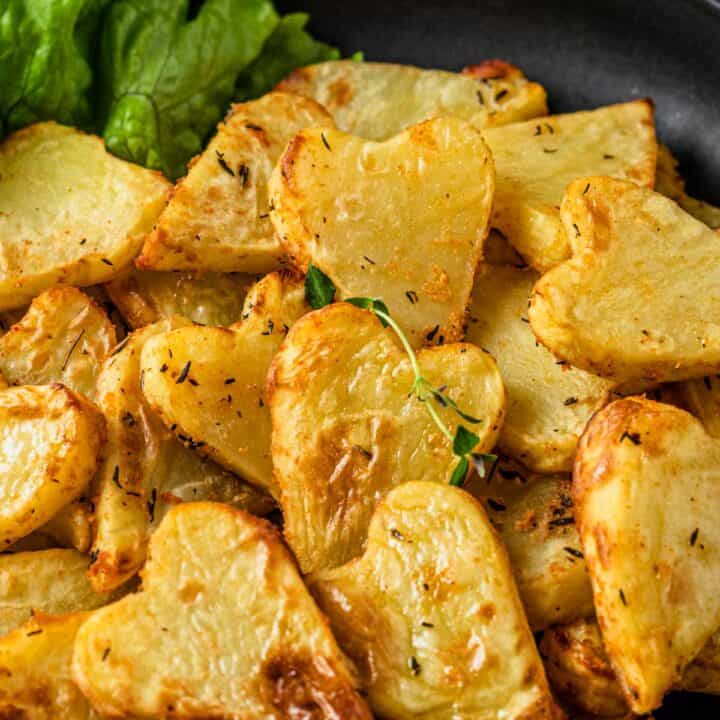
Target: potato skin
[[646, 500], [52, 446]]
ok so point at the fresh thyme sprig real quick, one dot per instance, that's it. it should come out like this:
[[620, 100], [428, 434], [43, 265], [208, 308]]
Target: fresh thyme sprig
[[320, 291]]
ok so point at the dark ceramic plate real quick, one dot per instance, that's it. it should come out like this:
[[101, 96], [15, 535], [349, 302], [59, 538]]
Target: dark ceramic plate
[[586, 53]]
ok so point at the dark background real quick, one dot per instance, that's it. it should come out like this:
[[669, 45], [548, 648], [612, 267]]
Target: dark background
[[586, 53]]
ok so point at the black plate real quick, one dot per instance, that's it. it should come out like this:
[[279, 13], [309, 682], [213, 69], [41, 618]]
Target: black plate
[[586, 53]]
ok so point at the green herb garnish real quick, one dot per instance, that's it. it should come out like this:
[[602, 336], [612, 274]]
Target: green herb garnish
[[319, 288]]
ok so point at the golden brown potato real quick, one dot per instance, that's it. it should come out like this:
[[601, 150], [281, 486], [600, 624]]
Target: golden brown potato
[[669, 182], [144, 465], [640, 298], [208, 384], [69, 211], [403, 220], [35, 679], [217, 218], [146, 296], [49, 581], [63, 338], [534, 516], [224, 627], [72, 527], [536, 160], [346, 428], [549, 403], [378, 100], [50, 447], [702, 398], [647, 497], [431, 615]]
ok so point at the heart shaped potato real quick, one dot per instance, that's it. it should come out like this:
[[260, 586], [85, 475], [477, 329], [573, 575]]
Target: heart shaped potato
[[549, 403], [640, 297], [146, 296], [647, 499], [346, 428], [378, 100], [64, 337], [51, 444], [431, 616], [208, 384], [69, 211], [535, 161], [217, 217], [403, 220], [533, 515], [224, 627], [145, 467]]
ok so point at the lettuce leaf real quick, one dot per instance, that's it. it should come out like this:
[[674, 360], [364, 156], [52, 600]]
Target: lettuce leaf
[[165, 79], [289, 47], [45, 73]]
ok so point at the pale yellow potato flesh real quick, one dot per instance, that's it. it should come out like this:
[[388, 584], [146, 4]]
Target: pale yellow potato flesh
[[346, 428], [224, 627], [549, 402], [218, 215], [51, 444], [219, 405], [50, 581], [403, 220], [647, 495], [431, 615], [536, 160], [69, 211], [146, 296], [702, 398], [640, 297], [144, 465], [73, 526], [378, 100], [533, 515], [64, 337]]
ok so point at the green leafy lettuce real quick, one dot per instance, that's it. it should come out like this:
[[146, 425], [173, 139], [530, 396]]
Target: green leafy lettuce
[[45, 50], [165, 79], [289, 47]]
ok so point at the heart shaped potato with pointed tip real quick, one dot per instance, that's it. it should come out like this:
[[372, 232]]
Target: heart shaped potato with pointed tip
[[549, 403], [217, 218], [208, 384], [224, 627], [640, 297], [431, 616], [51, 443], [647, 499], [347, 428], [403, 220]]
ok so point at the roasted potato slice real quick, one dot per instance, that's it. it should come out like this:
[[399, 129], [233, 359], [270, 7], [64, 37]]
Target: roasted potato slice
[[378, 100], [403, 220], [346, 427], [144, 464], [145, 296], [72, 527], [647, 497], [69, 211], [48, 581], [535, 161], [431, 615], [640, 298], [224, 627], [702, 399], [533, 515], [217, 218], [63, 338], [669, 182], [208, 384], [580, 672], [549, 403], [36, 683], [50, 447]]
